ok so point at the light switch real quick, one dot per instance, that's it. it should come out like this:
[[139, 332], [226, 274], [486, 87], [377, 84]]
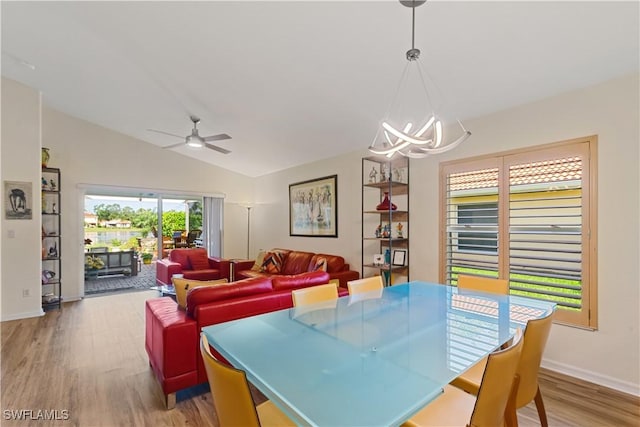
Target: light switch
[[11, 234]]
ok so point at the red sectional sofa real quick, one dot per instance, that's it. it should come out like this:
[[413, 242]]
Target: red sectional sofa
[[172, 335], [194, 264], [296, 262]]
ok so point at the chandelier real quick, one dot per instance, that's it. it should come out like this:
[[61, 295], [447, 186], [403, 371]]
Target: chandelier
[[411, 127]]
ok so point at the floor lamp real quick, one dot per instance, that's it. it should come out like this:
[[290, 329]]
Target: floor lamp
[[248, 227]]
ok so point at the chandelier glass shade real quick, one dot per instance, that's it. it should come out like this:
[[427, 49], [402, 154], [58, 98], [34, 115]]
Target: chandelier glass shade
[[411, 126]]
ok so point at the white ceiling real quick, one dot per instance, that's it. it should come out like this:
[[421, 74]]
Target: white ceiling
[[294, 82]]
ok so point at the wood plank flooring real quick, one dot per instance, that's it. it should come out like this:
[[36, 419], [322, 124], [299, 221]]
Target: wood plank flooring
[[89, 360]]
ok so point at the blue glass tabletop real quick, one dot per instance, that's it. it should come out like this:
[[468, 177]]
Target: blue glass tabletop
[[370, 359]]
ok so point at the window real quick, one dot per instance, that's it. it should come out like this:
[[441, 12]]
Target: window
[[482, 218], [529, 216]]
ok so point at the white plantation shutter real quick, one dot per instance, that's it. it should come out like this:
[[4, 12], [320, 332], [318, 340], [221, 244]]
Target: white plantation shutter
[[528, 217]]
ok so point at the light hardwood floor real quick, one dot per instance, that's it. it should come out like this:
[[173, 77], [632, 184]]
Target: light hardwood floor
[[89, 359]]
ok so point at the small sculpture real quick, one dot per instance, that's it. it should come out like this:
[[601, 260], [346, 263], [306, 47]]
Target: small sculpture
[[53, 250], [53, 208], [379, 231], [399, 229], [52, 185], [399, 174], [383, 173], [386, 231], [44, 184], [373, 175]]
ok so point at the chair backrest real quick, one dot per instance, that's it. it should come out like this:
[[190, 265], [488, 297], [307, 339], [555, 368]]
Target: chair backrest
[[229, 390], [367, 284], [497, 385], [535, 340], [193, 235], [314, 294], [483, 284]]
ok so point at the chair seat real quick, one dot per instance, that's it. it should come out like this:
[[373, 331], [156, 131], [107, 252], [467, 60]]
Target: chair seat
[[452, 408], [470, 380], [206, 274], [271, 416]]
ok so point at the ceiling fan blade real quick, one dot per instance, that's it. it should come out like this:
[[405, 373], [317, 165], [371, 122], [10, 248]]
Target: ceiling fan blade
[[216, 148], [166, 133], [174, 145], [219, 137]]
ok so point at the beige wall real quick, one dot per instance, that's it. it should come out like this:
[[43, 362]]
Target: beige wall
[[89, 154], [21, 242], [609, 356]]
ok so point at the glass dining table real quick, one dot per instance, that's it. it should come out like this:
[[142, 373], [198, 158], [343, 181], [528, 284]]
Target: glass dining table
[[372, 359]]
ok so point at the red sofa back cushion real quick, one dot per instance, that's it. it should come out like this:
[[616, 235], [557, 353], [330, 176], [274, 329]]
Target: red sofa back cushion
[[335, 263], [181, 256], [302, 280], [297, 262], [241, 288], [198, 259]]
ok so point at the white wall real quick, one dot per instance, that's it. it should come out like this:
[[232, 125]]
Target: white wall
[[608, 356], [89, 154], [21, 162]]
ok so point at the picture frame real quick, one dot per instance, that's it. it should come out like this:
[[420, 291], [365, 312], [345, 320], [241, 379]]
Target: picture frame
[[399, 257], [313, 207], [18, 200]]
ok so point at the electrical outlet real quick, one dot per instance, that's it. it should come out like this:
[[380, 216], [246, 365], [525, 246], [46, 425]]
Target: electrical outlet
[[26, 293]]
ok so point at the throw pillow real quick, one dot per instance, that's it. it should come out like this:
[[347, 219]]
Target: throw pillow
[[273, 262], [199, 260], [182, 286], [259, 260], [321, 264]]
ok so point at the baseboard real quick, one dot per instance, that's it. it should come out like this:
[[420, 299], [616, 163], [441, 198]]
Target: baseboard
[[592, 377], [25, 315]]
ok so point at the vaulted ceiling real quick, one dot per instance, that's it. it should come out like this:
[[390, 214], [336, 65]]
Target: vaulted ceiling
[[294, 82]]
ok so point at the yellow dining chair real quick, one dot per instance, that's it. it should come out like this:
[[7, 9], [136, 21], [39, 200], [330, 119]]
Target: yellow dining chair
[[535, 338], [232, 397], [314, 294], [368, 284], [495, 397], [483, 284]]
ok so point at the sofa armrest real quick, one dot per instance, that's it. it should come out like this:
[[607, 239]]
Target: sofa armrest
[[345, 276], [242, 264], [165, 269], [221, 264]]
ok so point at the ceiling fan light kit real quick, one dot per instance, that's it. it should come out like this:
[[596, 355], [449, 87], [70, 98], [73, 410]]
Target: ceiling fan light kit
[[413, 104], [195, 140]]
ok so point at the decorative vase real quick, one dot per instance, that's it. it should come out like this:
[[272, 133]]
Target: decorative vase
[[45, 156], [386, 204]]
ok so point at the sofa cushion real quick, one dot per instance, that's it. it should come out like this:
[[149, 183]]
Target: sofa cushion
[[259, 260], [273, 261], [320, 264], [198, 259], [181, 257], [302, 280], [207, 274], [182, 286], [297, 262], [241, 288], [334, 262]]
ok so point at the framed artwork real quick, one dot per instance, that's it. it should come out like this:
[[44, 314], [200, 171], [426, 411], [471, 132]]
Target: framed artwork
[[18, 201], [313, 207], [399, 257]]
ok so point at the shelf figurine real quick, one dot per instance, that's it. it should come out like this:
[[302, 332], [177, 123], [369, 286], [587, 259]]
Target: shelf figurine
[[52, 185], [44, 183], [399, 229], [383, 173], [373, 175], [379, 231], [53, 251]]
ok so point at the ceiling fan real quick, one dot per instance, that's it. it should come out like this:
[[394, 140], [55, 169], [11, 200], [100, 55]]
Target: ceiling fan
[[195, 140]]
